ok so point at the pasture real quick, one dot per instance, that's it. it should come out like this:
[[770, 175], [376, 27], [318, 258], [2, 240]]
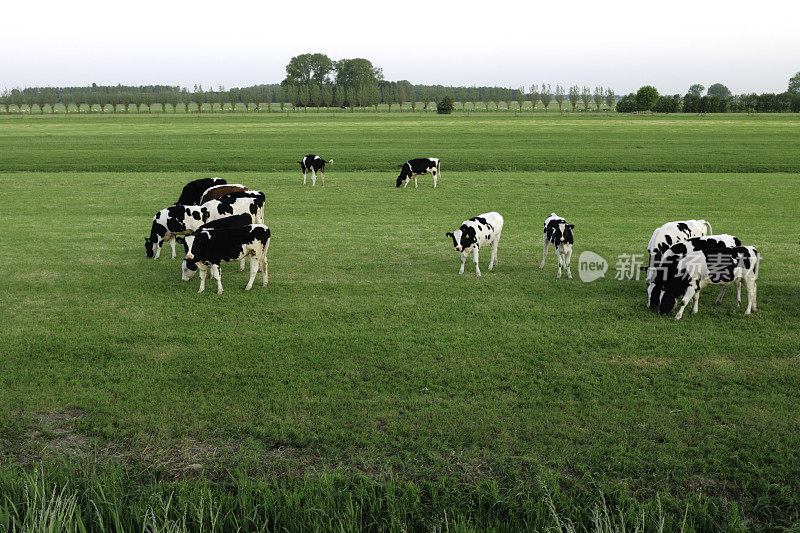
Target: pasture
[[369, 380]]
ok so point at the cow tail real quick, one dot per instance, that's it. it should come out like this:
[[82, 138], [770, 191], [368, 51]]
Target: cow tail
[[265, 248], [708, 224], [330, 162], [758, 263]]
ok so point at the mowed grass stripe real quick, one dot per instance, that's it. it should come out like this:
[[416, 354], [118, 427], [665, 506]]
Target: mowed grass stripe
[[368, 350], [370, 142]]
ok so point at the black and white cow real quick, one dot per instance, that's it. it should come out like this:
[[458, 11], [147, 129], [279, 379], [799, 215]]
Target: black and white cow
[[679, 250], [208, 248], [193, 191], [170, 222], [558, 233], [233, 221], [664, 237], [233, 205], [475, 233], [688, 275], [313, 163], [415, 167], [182, 219], [257, 195]]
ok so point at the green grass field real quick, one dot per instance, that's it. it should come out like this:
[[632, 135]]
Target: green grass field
[[369, 386], [382, 142]]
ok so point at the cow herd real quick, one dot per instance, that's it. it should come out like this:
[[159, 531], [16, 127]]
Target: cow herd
[[214, 221], [218, 222], [686, 257]]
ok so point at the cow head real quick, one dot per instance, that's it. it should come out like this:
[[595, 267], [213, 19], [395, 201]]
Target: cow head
[[189, 265], [400, 179], [463, 238], [559, 232], [188, 269], [152, 244], [674, 286]]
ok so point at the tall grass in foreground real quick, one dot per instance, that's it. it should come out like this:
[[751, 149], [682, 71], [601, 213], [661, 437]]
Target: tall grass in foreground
[[66, 500]]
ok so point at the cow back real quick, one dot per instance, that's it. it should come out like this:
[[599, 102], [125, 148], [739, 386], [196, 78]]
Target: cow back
[[214, 193], [192, 192], [228, 244]]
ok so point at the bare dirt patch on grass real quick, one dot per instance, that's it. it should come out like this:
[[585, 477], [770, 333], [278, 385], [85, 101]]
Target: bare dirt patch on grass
[[58, 434]]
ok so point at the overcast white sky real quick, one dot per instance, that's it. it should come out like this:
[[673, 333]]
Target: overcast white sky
[[748, 46]]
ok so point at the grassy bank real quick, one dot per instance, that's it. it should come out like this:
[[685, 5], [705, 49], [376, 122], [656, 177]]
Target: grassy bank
[[535, 142]]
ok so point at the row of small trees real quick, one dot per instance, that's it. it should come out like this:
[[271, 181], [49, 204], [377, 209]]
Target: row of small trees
[[269, 97], [276, 97], [159, 98]]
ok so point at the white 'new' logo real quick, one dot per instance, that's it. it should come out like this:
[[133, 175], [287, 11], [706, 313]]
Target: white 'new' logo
[[591, 266]]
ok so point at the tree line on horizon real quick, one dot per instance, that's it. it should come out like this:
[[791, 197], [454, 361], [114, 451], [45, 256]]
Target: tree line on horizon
[[315, 80], [718, 99]]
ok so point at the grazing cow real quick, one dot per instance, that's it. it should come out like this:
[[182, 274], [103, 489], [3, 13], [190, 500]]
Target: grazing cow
[[206, 249], [193, 191], [313, 163], [688, 275], [558, 233], [664, 237], [172, 221], [183, 219], [214, 193], [415, 167], [679, 250], [480, 231]]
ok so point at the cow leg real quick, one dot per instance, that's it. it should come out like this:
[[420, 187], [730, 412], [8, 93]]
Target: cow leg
[[721, 294], [475, 255], [172, 244], [696, 304], [322, 175], [567, 260], [434, 179], [253, 272], [264, 267], [203, 274], [313, 177], [493, 256], [738, 283], [304, 178], [241, 264], [493, 259], [157, 247], [463, 260], [560, 257], [415, 181], [751, 294], [405, 183], [545, 245], [686, 299], [216, 274]]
